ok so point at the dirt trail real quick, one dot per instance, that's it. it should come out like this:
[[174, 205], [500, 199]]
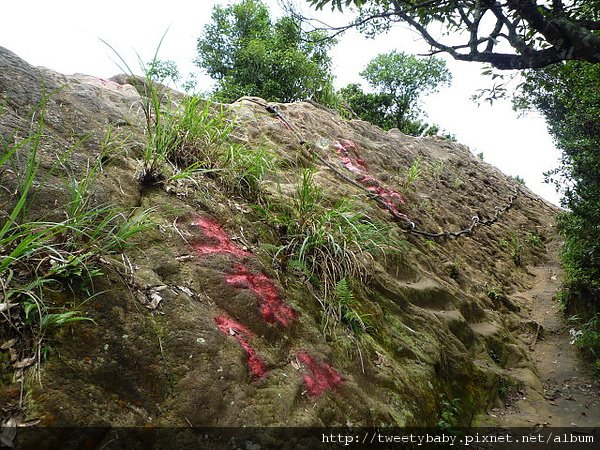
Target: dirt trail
[[569, 395]]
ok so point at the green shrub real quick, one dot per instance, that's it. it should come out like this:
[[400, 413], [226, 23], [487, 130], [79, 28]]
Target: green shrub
[[588, 337]]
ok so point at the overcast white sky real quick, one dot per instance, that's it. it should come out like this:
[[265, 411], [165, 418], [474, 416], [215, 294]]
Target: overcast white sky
[[64, 35]]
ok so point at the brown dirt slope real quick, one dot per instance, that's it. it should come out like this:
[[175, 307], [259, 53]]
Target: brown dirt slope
[[567, 394], [237, 340]]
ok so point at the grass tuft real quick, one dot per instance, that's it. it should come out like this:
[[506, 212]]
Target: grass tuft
[[328, 244], [38, 255]]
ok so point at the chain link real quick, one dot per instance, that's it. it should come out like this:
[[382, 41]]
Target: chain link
[[405, 224]]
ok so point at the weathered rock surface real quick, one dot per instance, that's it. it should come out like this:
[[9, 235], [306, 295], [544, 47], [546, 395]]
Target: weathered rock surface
[[234, 341]]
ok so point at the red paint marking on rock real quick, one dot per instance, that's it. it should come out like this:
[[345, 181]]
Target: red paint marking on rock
[[354, 165], [218, 241], [322, 377], [348, 144], [271, 307], [391, 198], [230, 327], [285, 124]]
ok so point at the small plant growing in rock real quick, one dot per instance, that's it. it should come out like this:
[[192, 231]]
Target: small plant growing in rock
[[427, 205], [457, 183], [413, 174], [437, 169], [518, 179], [346, 305], [430, 243], [506, 387], [326, 242], [515, 248], [449, 414], [480, 156], [182, 135], [496, 294], [243, 168], [454, 269], [534, 240]]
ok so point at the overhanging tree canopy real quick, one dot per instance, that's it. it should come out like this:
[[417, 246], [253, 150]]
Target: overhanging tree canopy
[[509, 34]]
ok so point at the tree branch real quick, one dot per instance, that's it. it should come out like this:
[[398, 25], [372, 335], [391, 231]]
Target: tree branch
[[524, 20], [493, 37], [569, 40]]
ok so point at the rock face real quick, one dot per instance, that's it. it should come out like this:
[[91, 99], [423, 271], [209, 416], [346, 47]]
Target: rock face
[[232, 339]]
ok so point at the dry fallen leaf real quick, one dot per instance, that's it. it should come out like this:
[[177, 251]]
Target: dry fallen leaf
[[14, 355], [6, 306], [24, 363], [8, 344], [155, 300], [30, 423], [186, 290]]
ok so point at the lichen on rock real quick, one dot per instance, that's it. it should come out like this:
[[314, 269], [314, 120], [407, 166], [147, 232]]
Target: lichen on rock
[[238, 337]]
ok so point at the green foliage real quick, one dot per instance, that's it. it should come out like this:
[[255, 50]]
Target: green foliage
[[534, 240], [449, 415], [518, 179], [480, 156], [175, 132], [496, 294], [540, 33], [242, 168], [588, 337], [457, 183], [405, 78], [190, 134], [347, 308], [249, 54], [399, 81], [159, 71], [61, 319], [369, 107], [437, 169], [156, 105], [201, 130], [430, 243], [568, 97]]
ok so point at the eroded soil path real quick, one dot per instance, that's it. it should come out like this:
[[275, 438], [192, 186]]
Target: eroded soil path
[[569, 395]]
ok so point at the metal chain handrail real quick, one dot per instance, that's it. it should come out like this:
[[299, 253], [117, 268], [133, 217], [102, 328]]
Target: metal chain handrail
[[405, 224]]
